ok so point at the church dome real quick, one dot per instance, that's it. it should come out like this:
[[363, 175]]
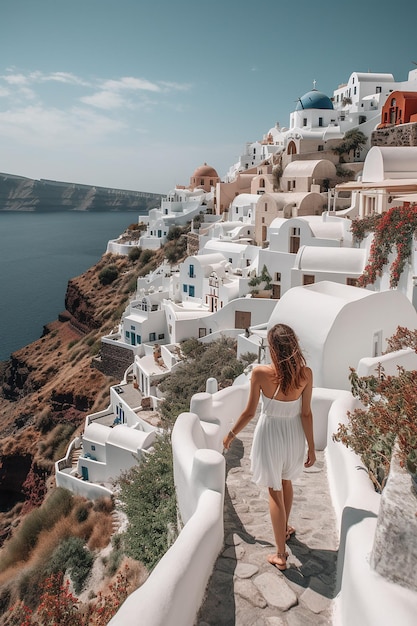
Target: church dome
[[205, 170], [314, 100]]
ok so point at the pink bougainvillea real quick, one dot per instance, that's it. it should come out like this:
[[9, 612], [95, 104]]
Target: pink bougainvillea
[[396, 228]]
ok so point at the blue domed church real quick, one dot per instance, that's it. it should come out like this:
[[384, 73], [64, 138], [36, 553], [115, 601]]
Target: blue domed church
[[314, 124]]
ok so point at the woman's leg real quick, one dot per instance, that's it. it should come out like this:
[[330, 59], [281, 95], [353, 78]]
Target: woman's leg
[[279, 526], [288, 498]]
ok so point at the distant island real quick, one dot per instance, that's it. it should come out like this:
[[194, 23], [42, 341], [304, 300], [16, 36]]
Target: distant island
[[18, 193]]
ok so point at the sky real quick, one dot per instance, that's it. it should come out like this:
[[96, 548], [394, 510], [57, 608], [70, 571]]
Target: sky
[[136, 94]]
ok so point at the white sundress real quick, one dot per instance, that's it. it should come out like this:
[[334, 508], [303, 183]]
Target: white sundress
[[279, 443]]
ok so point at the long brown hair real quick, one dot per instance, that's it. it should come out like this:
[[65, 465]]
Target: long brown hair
[[286, 355]]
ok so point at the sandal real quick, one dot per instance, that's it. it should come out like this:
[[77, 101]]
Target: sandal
[[282, 556], [290, 532]]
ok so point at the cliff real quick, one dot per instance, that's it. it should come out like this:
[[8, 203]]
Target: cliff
[[25, 194]]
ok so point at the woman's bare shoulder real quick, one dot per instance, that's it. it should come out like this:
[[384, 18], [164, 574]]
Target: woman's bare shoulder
[[307, 374], [262, 371]]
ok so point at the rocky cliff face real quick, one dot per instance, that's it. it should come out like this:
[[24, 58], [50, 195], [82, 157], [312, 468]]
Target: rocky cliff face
[[24, 194]]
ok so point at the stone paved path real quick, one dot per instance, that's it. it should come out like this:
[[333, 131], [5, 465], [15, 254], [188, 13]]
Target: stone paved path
[[245, 590]]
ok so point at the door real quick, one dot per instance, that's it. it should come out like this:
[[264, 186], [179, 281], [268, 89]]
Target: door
[[84, 472], [242, 319]]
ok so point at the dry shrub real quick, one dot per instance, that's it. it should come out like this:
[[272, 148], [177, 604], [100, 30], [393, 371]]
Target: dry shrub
[[101, 535], [50, 539], [104, 505], [96, 530]]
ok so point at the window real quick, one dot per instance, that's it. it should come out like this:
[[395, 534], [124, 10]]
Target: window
[[294, 240], [191, 272], [93, 447], [161, 336], [266, 206], [262, 182], [159, 233], [320, 121], [377, 343], [127, 334], [320, 148], [354, 91], [152, 336], [185, 288], [138, 339], [191, 291], [304, 121], [308, 279], [378, 90], [277, 277]]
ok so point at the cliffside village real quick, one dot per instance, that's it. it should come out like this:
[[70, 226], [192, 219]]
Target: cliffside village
[[273, 241]]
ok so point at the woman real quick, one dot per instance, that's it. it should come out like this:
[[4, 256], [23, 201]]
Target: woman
[[285, 424]]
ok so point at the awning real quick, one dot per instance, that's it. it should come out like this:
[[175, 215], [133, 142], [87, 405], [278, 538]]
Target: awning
[[397, 185]]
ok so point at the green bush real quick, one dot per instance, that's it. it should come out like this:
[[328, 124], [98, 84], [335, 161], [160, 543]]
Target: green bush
[[174, 232], [148, 496], [218, 358], [146, 256], [29, 586], [81, 513], [74, 558], [134, 253], [116, 555], [108, 274]]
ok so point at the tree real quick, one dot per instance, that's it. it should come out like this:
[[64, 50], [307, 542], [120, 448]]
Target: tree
[[353, 141]]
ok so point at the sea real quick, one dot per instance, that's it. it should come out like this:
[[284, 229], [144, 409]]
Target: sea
[[39, 253]]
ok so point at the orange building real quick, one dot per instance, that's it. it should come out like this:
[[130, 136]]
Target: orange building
[[399, 108]]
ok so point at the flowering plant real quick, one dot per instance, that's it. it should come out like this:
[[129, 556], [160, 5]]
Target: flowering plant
[[395, 227], [362, 227], [390, 407]]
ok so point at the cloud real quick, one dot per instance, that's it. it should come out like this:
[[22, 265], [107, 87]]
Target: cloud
[[104, 100], [40, 126], [64, 77], [15, 79], [38, 112], [131, 83]]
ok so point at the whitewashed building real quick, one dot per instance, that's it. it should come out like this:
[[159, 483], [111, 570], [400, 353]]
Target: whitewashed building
[[338, 325]]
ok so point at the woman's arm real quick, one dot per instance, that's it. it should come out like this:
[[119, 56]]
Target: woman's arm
[[307, 419], [246, 416]]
